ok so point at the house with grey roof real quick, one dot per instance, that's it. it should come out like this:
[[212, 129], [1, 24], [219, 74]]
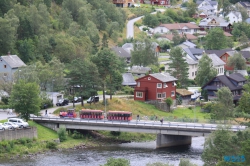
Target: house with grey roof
[[218, 64], [139, 71], [187, 44], [193, 53], [213, 22], [9, 64], [157, 86], [204, 3], [130, 47], [233, 81], [122, 53], [128, 80], [245, 5]]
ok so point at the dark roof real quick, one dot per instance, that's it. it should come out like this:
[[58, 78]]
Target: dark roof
[[245, 54], [121, 52], [192, 52], [237, 77], [226, 80], [128, 79], [219, 53], [13, 60], [245, 4]]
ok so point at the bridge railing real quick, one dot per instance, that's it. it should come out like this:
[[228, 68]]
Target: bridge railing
[[146, 123]]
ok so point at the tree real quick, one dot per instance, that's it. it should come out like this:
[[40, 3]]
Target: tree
[[177, 39], [191, 9], [169, 102], [244, 104], [108, 65], [100, 20], [205, 71], [105, 41], [178, 66], [227, 7], [117, 162], [237, 62], [25, 99], [224, 100], [143, 53], [243, 38], [214, 38], [83, 76]]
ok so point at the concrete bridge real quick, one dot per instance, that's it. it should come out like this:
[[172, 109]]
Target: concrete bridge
[[168, 133]]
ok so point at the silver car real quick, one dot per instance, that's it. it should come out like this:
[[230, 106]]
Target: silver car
[[14, 126], [4, 127]]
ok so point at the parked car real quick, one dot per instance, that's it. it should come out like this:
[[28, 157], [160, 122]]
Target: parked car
[[15, 126], [76, 99], [62, 102], [93, 99], [21, 124], [5, 127]]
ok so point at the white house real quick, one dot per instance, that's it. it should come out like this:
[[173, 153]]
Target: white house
[[234, 17], [218, 64], [192, 68], [188, 28]]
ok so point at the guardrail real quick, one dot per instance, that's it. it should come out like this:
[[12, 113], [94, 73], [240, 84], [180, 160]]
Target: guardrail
[[145, 123]]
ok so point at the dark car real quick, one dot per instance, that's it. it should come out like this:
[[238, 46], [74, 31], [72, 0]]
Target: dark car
[[62, 102], [93, 99]]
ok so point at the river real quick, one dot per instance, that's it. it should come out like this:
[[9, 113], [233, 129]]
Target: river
[[139, 154]]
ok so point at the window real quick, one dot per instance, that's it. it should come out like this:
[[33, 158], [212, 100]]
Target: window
[[173, 84], [172, 93], [192, 73], [138, 84], [165, 85], [5, 74], [5, 66], [149, 78], [163, 95], [158, 95], [195, 72], [159, 85], [161, 30], [139, 94]]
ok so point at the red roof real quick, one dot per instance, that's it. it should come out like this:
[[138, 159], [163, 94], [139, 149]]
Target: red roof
[[180, 26]]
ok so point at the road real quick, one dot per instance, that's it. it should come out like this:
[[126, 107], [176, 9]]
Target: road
[[130, 24]]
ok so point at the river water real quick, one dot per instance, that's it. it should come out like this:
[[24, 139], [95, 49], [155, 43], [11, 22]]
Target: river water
[[139, 154]]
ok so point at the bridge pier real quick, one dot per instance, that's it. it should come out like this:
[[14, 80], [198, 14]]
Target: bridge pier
[[164, 140]]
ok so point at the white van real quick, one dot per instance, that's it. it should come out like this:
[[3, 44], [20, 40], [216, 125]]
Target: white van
[[19, 122]]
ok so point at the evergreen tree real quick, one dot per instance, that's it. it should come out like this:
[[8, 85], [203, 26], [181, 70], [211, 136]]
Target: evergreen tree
[[214, 38], [105, 41], [237, 61], [178, 66], [205, 71]]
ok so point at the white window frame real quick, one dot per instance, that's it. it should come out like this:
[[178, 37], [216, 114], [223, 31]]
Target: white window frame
[[159, 95], [173, 83], [165, 85], [172, 93], [159, 85], [139, 94], [163, 95]]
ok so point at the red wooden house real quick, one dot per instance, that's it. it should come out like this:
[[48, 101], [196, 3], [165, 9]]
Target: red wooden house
[[155, 86]]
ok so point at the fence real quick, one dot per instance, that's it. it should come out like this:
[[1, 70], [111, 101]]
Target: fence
[[17, 134]]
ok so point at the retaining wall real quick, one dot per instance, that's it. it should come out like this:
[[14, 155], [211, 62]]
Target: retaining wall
[[17, 134]]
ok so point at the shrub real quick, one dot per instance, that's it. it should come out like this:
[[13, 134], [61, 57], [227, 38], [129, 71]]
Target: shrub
[[128, 90], [115, 133], [62, 134], [76, 135], [51, 145]]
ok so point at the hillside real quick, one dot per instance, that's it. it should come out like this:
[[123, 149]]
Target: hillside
[[65, 29]]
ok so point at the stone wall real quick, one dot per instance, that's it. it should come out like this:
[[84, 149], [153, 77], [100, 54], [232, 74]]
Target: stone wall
[[17, 134], [161, 105]]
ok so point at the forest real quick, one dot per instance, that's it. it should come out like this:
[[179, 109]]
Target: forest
[[39, 30]]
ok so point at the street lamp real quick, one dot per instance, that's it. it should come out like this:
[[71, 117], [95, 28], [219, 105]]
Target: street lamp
[[52, 92], [73, 97], [105, 103]]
